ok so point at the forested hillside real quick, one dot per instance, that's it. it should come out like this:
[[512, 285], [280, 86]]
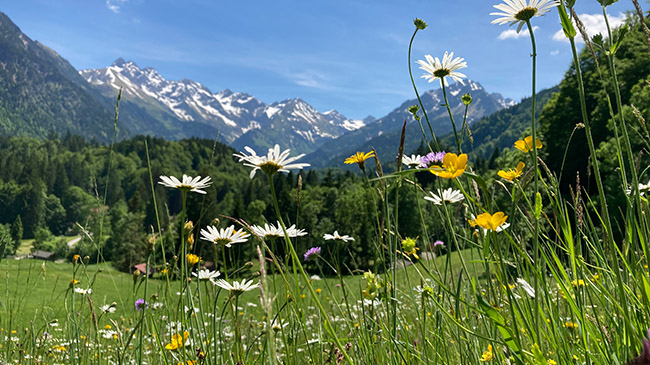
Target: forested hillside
[[561, 121], [56, 186]]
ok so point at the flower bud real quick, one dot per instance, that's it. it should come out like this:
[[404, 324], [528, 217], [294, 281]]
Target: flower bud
[[467, 99], [419, 24]]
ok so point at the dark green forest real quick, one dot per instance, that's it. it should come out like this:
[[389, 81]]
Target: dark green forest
[[71, 186]]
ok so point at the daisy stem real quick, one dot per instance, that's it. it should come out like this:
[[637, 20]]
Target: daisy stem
[[183, 250], [536, 183], [424, 111], [296, 260], [451, 115]]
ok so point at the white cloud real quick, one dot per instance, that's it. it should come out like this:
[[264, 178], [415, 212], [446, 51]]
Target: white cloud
[[594, 24], [512, 33], [310, 78], [555, 52], [114, 5]]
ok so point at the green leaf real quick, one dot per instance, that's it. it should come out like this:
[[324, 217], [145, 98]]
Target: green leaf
[[567, 25], [606, 3], [622, 31], [570, 3], [538, 205]]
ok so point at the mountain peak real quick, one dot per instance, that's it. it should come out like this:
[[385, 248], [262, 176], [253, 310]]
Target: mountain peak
[[119, 62]]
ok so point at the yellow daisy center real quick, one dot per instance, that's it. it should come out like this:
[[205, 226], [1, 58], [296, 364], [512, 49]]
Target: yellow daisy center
[[526, 13]]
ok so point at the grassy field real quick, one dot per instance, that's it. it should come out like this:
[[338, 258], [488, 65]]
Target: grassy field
[[33, 291]]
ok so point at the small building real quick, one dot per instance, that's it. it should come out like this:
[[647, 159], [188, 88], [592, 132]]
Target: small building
[[42, 255]]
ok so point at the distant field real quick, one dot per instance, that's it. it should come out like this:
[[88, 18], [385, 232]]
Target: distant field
[[34, 291]]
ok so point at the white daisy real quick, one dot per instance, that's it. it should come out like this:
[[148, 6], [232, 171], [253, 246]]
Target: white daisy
[[83, 291], [108, 308], [449, 195], [273, 162], [337, 236], [224, 236], [190, 184], [439, 70], [205, 274], [271, 231], [521, 11], [413, 161], [236, 287]]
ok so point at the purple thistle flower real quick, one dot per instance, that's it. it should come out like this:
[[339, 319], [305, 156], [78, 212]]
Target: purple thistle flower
[[431, 158], [438, 243], [140, 304], [312, 253]]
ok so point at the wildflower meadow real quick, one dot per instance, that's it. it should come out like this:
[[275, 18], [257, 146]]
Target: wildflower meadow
[[516, 264]]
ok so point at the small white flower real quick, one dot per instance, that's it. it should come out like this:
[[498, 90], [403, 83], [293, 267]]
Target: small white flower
[[521, 11], [527, 288], [271, 231], [337, 236], [314, 278], [273, 162], [413, 161], [448, 195], [108, 308], [224, 236], [83, 291], [190, 184], [205, 274], [439, 70], [237, 287]]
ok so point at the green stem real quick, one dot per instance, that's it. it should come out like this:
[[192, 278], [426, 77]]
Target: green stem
[[296, 260], [536, 180], [451, 116], [424, 111]]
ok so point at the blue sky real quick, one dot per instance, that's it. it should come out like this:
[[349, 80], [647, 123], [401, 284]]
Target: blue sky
[[348, 55]]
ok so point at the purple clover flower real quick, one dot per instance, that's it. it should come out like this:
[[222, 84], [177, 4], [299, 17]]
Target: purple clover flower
[[431, 158], [312, 253], [140, 304], [438, 243]]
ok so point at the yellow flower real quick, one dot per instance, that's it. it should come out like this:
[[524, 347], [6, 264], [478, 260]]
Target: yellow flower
[[192, 259], [577, 283], [526, 145], [360, 159], [177, 341], [489, 221], [570, 325], [108, 327], [188, 362], [512, 174], [452, 166], [551, 362], [75, 258], [487, 355], [408, 248], [59, 348], [73, 282]]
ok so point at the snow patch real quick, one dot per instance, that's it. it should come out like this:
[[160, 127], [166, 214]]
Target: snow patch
[[271, 111]]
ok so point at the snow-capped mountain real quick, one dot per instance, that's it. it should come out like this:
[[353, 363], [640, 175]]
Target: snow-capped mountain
[[384, 134], [240, 118]]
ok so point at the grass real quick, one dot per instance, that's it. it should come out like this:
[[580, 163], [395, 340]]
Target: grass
[[34, 290]]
